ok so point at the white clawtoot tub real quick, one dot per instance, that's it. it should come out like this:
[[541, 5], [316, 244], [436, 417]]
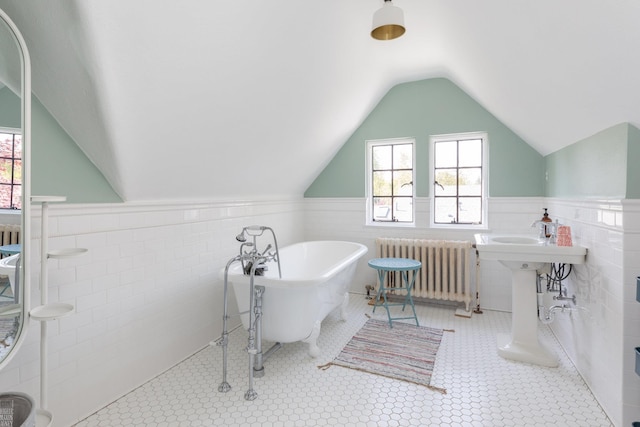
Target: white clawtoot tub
[[315, 280]]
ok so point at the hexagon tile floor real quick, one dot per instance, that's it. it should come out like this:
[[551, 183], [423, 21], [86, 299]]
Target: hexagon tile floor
[[482, 388]]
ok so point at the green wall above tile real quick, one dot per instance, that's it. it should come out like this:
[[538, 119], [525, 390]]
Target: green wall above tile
[[9, 109], [58, 166], [432, 107], [600, 166]]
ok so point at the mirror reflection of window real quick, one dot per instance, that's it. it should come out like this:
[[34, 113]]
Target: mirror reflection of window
[[10, 169]]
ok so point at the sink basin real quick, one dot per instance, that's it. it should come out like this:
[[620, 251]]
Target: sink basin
[[515, 240], [515, 247]]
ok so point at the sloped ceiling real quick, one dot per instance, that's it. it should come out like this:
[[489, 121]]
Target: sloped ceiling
[[209, 99]]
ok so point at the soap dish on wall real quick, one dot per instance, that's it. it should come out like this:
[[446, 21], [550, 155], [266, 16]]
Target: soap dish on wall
[[66, 253], [51, 311]]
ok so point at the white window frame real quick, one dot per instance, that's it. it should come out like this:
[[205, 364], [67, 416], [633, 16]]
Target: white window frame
[[485, 179], [369, 182]]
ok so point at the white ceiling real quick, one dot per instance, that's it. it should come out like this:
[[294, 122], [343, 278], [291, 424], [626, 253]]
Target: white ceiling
[[209, 99]]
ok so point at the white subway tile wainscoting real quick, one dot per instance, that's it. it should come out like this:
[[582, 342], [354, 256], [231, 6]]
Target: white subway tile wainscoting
[[148, 298]]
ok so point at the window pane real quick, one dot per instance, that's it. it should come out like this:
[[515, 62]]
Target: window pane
[[470, 182], [6, 171], [382, 209], [17, 172], [470, 210], [403, 209], [446, 154], [447, 180], [403, 183], [381, 157], [6, 145], [470, 152], [10, 170], [402, 156], [17, 196], [382, 184], [5, 196], [445, 210], [17, 148]]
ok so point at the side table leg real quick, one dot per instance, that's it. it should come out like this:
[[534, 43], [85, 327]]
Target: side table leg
[[380, 289], [409, 297]]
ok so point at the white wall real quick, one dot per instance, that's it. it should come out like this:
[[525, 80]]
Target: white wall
[[601, 335], [147, 294]]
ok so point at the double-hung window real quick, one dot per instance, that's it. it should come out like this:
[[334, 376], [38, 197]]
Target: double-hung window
[[459, 178], [10, 169], [390, 166]]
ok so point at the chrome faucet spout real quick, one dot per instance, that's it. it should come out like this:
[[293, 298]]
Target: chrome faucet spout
[[541, 228]]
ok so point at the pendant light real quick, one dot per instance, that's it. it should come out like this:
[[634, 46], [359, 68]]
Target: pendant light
[[388, 22]]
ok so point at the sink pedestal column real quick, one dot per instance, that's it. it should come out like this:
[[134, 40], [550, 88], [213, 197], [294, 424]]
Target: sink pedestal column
[[523, 344]]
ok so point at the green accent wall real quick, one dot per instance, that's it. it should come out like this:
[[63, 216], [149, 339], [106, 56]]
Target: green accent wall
[[633, 163], [432, 107], [59, 167], [597, 166], [9, 109]]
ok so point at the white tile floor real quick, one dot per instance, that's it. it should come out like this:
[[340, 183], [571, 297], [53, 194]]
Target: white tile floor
[[482, 388]]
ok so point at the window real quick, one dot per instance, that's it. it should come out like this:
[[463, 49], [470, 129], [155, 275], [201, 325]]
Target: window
[[459, 179], [390, 165], [10, 169]]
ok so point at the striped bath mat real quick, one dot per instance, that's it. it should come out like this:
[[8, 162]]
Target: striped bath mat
[[406, 352]]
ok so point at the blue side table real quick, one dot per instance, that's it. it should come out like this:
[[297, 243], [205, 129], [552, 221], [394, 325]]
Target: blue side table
[[12, 249], [404, 266]]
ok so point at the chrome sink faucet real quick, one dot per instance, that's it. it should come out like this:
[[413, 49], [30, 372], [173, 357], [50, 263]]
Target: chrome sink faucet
[[545, 228], [541, 228], [553, 231]]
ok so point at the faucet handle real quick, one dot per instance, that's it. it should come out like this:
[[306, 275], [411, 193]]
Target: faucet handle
[[553, 232]]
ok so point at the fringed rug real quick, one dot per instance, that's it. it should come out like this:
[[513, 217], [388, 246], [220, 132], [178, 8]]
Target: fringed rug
[[405, 352]]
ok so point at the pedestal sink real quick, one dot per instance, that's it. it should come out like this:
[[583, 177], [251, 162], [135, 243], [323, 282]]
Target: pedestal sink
[[523, 255]]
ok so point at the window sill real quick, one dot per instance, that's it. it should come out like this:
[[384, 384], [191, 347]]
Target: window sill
[[391, 224], [458, 227]]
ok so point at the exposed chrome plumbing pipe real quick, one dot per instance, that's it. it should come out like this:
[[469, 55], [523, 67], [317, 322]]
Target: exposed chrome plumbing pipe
[[224, 339], [255, 261], [547, 316]]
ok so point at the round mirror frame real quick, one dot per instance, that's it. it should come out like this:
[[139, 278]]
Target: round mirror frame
[[23, 286]]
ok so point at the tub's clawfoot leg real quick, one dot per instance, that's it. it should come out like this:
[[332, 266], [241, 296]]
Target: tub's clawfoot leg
[[312, 340], [343, 308]]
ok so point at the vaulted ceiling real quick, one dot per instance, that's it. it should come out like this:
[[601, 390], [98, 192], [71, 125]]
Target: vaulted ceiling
[[208, 99]]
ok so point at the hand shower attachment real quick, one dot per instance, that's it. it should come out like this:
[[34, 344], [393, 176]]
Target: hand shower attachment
[[251, 257]]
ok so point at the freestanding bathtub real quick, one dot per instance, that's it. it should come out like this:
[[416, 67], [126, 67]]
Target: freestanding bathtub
[[315, 280]]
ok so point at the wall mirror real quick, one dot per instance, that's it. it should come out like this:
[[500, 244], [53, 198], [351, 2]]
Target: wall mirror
[[15, 134]]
